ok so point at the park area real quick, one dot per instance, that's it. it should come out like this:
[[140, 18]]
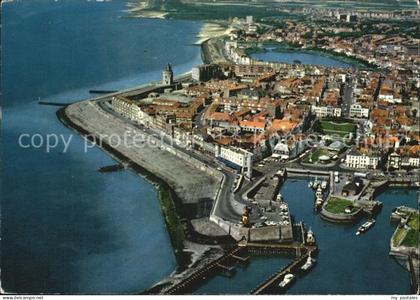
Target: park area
[[337, 205], [408, 235], [313, 157], [334, 128]]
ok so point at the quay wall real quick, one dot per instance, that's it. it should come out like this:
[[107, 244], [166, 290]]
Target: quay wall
[[306, 172], [341, 218], [269, 233], [253, 187]]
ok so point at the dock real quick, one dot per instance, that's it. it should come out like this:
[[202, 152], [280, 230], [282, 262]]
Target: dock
[[226, 264], [223, 265], [300, 251], [270, 286]]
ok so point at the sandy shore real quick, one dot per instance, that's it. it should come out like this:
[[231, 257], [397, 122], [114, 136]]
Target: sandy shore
[[139, 10], [209, 29], [212, 30]]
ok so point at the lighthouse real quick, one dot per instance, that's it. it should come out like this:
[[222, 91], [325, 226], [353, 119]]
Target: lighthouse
[[168, 75]]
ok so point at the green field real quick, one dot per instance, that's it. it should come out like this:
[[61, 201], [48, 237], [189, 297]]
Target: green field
[[414, 221], [408, 237], [412, 237], [314, 156], [331, 127], [337, 205], [399, 234]]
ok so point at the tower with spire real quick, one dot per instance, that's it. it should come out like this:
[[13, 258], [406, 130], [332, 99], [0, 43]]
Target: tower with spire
[[168, 75]]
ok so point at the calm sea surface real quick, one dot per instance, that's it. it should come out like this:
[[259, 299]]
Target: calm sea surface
[[66, 227]]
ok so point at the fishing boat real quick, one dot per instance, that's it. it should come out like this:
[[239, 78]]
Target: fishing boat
[[287, 280], [310, 184], [315, 184], [310, 262], [318, 203], [318, 193]]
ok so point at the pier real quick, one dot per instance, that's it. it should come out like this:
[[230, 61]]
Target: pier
[[299, 250], [223, 265], [296, 249], [270, 286], [226, 264]]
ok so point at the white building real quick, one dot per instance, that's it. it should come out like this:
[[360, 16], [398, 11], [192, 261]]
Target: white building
[[390, 97], [236, 157], [326, 111], [357, 160], [357, 111], [130, 110], [289, 149], [411, 162], [397, 161]]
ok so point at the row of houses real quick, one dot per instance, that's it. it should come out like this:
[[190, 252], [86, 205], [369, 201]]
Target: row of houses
[[410, 158]]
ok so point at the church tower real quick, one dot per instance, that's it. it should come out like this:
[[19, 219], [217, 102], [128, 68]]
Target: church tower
[[168, 75]]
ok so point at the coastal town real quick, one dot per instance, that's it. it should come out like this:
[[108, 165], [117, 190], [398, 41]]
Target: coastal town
[[224, 138]]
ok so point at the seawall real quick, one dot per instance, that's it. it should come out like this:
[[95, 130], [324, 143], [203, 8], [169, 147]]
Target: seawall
[[163, 181]]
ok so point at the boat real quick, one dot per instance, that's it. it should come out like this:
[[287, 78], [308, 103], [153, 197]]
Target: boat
[[315, 184], [287, 280], [324, 184], [366, 226], [279, 198], [310, 262], [318, 203], [318, 193], [310, 184], [310, 237]]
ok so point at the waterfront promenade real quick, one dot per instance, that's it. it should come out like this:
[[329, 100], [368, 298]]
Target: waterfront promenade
[[192, 185]]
